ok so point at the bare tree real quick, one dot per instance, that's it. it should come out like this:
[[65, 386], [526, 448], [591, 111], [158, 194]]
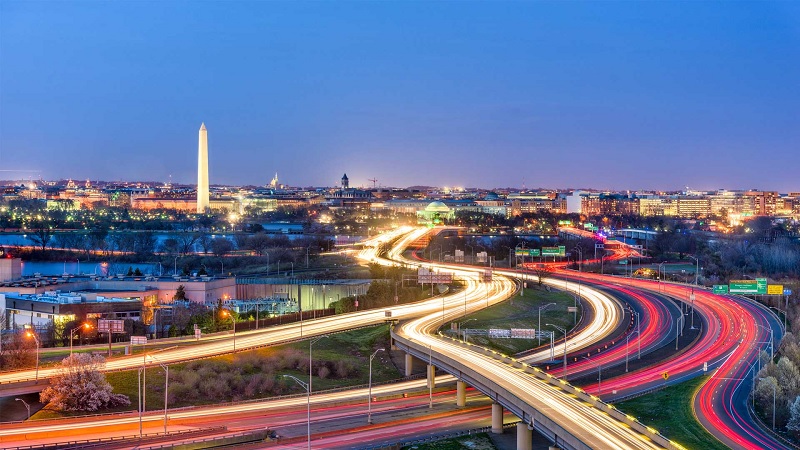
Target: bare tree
[[42, 231], [542, 271]]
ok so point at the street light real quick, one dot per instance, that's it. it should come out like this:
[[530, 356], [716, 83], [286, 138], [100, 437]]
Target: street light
[[771, 339], [369, 399], [36, 340], [563, 330], [660, 280], [227, 313], [27, 406], [308, 403], [599, 374], [774, 399], [166, 387], [311, 344], [72, 334], [627, 344], [696, 269], [542, 308], [580, 251], [782, 312]]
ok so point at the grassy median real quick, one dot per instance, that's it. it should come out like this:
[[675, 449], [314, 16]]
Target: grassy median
[[670, 412], [521, 311]]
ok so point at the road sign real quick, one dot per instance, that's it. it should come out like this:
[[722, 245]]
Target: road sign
[[762, 285], [116, 326], [747, 287], [705, 367], [775, 289], [720, 289], [572, 309], [141, 340], [665, 375], [787, 292], [499, 333], [534, 252], [523, 333], [554, 251]]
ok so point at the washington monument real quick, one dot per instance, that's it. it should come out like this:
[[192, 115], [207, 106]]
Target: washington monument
[[202, 170]]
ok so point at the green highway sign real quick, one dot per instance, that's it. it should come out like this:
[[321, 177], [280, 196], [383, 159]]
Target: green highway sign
[[720, 289], [761, 283], [535, 252], [757, 286], [743, 287], [554, 251], [527, 252]]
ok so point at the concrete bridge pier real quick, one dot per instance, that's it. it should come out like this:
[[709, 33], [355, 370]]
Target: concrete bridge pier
[[461, 394], [524, 436], [409, 364], [431, 376], [497, 418]]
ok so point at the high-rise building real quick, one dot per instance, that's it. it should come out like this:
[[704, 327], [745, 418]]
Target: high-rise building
[[202, 170]]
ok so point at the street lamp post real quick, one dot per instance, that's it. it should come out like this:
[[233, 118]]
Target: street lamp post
[[563, 330], [233, 319], [627, 344], [310, 345], [72, 333], [430, 376], [542, 308], [580, 251], [27, 406], [774, 400], [36, 340], [639, 331], [369, 399], [660, 280], [308, 403], [599, 374], [166, 387], [771, 340]]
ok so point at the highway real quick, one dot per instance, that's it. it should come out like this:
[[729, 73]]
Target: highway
[[735, 331], [721, 340], [448, 306]]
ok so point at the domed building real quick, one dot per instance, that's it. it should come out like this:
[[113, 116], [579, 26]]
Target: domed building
[[435, 213]]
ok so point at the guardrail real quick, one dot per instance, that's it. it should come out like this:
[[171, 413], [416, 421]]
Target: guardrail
[[88, 443]]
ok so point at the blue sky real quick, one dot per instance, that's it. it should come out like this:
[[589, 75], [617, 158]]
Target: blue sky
[[617, 95]]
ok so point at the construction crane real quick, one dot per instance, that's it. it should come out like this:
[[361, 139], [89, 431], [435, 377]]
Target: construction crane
[[374, 182]]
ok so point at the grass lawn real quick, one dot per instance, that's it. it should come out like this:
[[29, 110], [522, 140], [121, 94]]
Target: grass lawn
[[522, 312], [473, 442], [670, 412], [353, 346]]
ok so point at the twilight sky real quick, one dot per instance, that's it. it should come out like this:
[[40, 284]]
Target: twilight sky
[[616, 95]]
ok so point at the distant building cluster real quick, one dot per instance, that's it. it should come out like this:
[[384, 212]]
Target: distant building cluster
[[734, 206], [431, 205]]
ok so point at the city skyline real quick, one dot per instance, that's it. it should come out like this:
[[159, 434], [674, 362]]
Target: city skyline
[[612, 96]]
